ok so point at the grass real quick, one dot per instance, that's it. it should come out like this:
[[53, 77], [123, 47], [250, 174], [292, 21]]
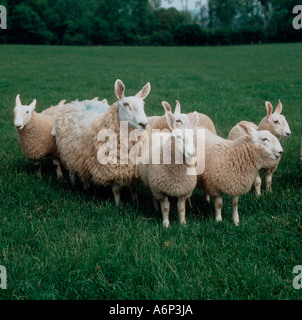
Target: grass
[[60, 242]]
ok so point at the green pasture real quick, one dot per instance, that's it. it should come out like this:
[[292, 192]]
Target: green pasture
[[61, 242]]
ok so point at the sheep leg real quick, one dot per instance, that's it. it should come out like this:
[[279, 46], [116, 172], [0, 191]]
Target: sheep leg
[[235, 210], [257, 185], [134, 196], [218, 206], [86, 184], [268, 179], [72, 177], [116, 189], [38, 164], [207, 197], [181, 207], [165, 208], [56, 162], [155, 203]]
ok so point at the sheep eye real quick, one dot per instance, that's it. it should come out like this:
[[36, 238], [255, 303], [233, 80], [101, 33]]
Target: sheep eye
[[264, 139], [276, 121], [126, 104], [27, 111], [179, 121]]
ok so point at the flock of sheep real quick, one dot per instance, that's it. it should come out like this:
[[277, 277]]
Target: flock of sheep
[[70, 134]]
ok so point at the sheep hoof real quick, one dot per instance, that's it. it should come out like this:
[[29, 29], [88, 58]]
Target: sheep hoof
[[166, 224], [236, 223]]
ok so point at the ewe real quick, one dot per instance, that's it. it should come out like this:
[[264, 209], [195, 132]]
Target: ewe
[[85, 150], [277, 125], [34, 131], [169, 177], [232, 165]]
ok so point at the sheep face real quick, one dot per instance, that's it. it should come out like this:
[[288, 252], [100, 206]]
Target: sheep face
[[131, 109], [264, 138], [184, 142], [184, 137], [278, 123], [181, 119], [22, 114], [270, 143]]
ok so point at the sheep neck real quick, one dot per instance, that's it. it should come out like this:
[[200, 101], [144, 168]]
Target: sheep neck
[[175, 168], [250, 156]]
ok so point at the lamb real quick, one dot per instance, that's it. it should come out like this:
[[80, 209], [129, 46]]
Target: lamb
[[232, 165], [169, 179], [159, 122], [276, 124], [85, 149], [34, 132]]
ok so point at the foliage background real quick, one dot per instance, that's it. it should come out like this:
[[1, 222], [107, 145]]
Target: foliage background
[[145, 22]]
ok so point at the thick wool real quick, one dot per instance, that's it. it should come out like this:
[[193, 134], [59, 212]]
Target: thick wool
[[230, 166], [76, 132], [35, 139], [166, 179], [235, 133]]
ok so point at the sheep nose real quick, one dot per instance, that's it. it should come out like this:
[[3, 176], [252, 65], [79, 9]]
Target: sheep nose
[[143, 125], [18, 126], [280, 152], [287, 134]]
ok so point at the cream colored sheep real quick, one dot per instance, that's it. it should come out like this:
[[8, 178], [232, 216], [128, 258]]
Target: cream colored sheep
[[276, 124], [169, 178], [34, 132], [92, 145], [232, 165]]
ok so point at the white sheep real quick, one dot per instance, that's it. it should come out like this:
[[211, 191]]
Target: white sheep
[[34, 132], [232, 165], [277, 125], [84, 149], [169, 178], [87, 111]]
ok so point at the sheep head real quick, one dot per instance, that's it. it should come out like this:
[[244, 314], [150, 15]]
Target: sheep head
[[131, 109], [22, 113]]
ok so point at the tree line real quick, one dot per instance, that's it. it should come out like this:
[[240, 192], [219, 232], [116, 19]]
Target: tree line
[[145, 22]]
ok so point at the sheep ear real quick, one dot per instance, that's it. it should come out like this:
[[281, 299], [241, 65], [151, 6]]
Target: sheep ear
[[62, 102], [18, 101], [170, 120], [144, 92], [247, 129], [194, 120], [269, 109], [166, 106], [119, 89], [177, 107], [33, 105], [104, 101], [95, 98], [279, 108]]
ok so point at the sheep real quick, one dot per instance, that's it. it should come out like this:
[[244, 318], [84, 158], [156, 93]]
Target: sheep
[[232, 165], [34, 132], [276, 124], [86, 111], [159, 122], [169, 179], [81, 139]]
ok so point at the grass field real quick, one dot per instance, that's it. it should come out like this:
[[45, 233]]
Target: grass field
[[60, 242]]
